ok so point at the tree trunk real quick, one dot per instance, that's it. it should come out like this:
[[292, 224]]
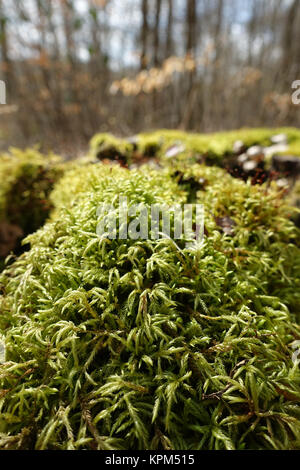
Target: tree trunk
[[6, 65], [67, 13], [156, 33], [169, 38], [287, 42], [144, 35], [191, 20]]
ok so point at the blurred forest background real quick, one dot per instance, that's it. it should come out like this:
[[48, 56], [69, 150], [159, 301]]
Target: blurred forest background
[[76, 67]]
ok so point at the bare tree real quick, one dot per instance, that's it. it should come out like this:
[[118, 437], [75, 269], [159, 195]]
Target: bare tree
[[191, 24], [287, 41], [156, 42], [144, 34], [169, 48], [4, 49]]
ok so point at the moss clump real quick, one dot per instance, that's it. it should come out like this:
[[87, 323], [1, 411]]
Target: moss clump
[[294, 200], [27, 178], [265, 239], [212, 147], [146, 344], [107, 147], [81, 178]]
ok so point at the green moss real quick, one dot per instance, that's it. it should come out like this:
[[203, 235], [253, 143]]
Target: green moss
[[105, 145], [27, 178], [293, 198], [80, 179], [263, 227], [214, 146], [294, 149], [146, 344], [218, 145]]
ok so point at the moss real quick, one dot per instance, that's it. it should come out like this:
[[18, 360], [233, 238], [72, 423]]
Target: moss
[[263, 225], [27, 178], [294, 148], [146, 344], [213, 148], [293, 199], [106, 146], [81, 178], [218, 145]]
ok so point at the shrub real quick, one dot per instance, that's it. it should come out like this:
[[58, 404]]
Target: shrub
[[147, 344]]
